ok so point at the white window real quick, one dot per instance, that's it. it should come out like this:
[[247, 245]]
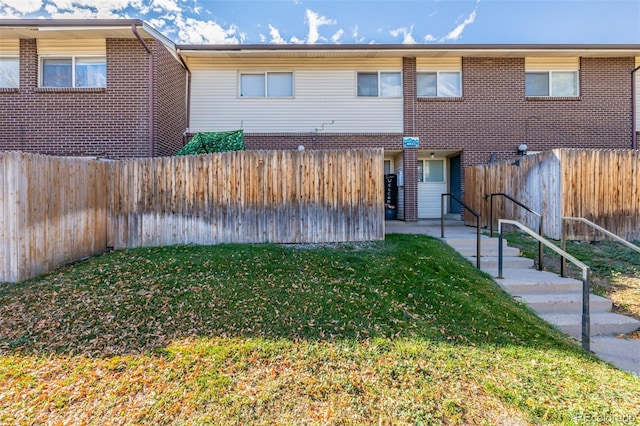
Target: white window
[[430, 171], [551, 83], [73, 71], [379, 84], [387, 167], [9, 72], [439, 84], [266, 84]]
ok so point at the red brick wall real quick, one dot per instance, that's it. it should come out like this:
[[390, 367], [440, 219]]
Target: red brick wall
[[170, 102], [111, 122], [494, 116], [322, 140]]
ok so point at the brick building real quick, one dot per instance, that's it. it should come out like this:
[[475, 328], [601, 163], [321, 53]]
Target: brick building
[[90, 88], [435, 109]]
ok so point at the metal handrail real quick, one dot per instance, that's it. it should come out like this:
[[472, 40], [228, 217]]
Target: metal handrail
[[470, 210], [563, 242], [586, 273], [540, 223]]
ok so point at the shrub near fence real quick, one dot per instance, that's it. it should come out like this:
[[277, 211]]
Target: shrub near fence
[[55, 210], [599, 185]]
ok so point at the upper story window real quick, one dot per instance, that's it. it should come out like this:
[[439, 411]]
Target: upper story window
[[266, 85], [379, 84], [439, 84], [9, 63], [551, 77], [9, 72], [73, 71], [439, 77], [552, 83]]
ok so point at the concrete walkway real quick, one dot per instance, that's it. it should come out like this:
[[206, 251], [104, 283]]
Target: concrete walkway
[[555, 299]]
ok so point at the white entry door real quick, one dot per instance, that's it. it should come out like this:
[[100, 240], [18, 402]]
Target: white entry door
[[432, 183]]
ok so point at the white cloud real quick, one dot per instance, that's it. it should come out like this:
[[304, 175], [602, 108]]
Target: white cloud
[[165, 6], [194, 31], [429, 38], [91, 8], [23, 6], [315, 21], [406, 33], [276, 38], [337, 37], [457, 31], [355, 35]]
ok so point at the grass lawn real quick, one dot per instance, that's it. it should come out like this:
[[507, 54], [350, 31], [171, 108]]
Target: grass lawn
[[397, 332]]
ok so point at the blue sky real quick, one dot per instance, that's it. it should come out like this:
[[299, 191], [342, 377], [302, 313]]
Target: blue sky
[[360, 21]]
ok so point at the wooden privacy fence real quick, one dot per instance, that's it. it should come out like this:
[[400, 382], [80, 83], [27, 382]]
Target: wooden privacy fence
[[599, 185], [55, 210], [249, 197]]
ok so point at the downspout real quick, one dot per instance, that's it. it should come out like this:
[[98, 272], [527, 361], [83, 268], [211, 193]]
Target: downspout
[[188, 112], [634, 143], [152, 126]]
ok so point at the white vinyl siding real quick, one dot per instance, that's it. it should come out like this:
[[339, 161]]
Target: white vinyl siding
[[77, 47], [324, 91], [9, 63], [552, 76]]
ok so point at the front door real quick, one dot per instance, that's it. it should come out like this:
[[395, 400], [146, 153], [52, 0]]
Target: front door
[[432, 183]]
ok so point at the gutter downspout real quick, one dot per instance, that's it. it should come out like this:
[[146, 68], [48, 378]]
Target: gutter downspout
[[634, 143], [188, 112], [152, 126]]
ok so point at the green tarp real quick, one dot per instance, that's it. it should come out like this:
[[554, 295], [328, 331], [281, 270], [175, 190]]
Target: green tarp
[[208, 142]]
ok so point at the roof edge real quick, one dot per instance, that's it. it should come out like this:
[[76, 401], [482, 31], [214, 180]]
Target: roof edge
[[69, 22], [408, 47]]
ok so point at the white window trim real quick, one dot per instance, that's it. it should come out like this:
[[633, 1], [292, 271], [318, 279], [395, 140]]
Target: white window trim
[[438, 72], [379, 84], [266, 82], [73, 58], [550, 72]]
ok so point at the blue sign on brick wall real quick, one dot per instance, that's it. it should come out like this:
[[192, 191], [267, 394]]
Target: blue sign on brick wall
[[408, 142]]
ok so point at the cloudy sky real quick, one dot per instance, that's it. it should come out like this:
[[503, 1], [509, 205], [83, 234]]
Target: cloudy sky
[[360, 21]]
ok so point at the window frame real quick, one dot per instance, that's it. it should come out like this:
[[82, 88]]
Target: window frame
[[550, 73], [74, 60], [265, 75], [379, 93], [17, 62], [437, 74], [421, 178]]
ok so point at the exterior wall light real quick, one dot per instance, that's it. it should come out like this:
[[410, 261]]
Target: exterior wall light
[[522, 149]]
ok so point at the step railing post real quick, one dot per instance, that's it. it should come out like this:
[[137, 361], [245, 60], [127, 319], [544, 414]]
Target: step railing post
[[500, 250], [586, 320]]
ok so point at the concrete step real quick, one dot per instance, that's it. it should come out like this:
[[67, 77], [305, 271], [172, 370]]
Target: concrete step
[[602, 323], [563, 302], [490, 263], [523, 281], [466, 241], [487, 251], [623, 353]]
